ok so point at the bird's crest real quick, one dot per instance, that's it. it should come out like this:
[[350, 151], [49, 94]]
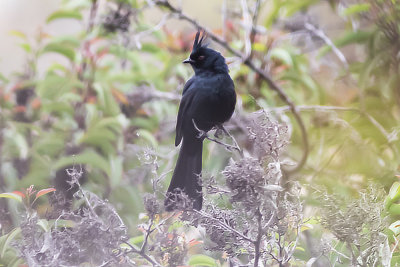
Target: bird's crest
[[199, 43]]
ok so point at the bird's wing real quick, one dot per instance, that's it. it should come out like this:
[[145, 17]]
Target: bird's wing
[[187, 97]]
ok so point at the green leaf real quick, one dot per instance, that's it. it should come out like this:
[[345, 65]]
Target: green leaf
[[356, 9], [349, 38], [8, 239], [103, 133], [87, 157], [394, 209], [106, 99], [54, 86], [136, 240], [61, 49], [282, 55], [202, 260], [26, 47], [64, 14], [18, 34], [148, 136], [394, 195], [395, 227], [12, 196], [394, 192], [117, 168]]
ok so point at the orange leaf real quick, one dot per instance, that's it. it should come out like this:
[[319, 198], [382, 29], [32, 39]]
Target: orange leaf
[[19, 109], [44, 192], [19, 193], [36, 103], [119, 96], [194, 242]]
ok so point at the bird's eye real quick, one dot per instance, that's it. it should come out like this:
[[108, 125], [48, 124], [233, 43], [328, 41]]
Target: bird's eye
[[200, 58]]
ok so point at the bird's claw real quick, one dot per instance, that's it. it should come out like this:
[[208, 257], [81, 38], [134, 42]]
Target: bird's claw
[[218, 133], [202, 134]]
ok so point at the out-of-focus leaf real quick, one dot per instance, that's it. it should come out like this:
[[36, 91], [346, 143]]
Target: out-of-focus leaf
[[9, 238], [148, 136], [64, 14], [87, 157], [395, 227], [77, 4], [18, 34], [44, 192], [356, 9], [282, 55], [26, 47], [348, 38], [60, 49], [106, 100], [102, 133], [394, 209], [54, 86], [260, 47], [116, 165], [12, 196], [394, 194], [202, 260], [136, 240], [3, 78]]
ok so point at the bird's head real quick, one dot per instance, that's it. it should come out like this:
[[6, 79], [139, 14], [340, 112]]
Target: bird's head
[[203, 58]]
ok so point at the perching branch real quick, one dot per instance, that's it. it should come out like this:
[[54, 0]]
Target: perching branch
[[203, 134], [248, 62]]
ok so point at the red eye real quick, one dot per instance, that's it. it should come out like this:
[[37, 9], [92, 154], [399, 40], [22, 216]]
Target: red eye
[[201, 58]]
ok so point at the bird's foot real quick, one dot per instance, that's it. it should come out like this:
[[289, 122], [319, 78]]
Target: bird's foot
[[218, 132], [201, 134]]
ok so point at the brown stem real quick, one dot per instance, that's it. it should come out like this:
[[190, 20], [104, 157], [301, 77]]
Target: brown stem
[[257, 244]]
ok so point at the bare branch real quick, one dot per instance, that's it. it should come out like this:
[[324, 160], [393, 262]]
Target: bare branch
[[322, 35], [224, 225], [144, 255], [203, 134]]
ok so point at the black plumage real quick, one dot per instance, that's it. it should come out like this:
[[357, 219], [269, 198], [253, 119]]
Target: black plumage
[[208, 100]]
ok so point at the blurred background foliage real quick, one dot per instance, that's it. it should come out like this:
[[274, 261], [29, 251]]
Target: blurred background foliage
[[108, 101]]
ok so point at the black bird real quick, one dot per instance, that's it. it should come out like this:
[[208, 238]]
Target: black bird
[[208, 100]]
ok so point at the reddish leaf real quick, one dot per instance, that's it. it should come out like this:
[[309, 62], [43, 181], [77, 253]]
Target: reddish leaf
[[19, 193], [44, 192], [194, 242]]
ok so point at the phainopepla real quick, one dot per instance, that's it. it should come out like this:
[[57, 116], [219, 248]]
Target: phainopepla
[[208, 100]]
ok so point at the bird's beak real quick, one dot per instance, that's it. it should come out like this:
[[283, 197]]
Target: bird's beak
[[188, 60]]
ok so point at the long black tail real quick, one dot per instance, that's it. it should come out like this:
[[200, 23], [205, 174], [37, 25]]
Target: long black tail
[[186, 176]]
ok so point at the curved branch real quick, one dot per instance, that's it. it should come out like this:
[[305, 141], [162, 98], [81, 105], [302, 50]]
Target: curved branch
[[248, 62]]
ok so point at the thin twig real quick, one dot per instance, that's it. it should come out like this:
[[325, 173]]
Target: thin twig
[[144, 255], [254, 26], [248, 62], [248, 26], [227, 227], [146, 237], [233, 139], [325, 38], [257, 244], [92, 15], [203, 134]]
